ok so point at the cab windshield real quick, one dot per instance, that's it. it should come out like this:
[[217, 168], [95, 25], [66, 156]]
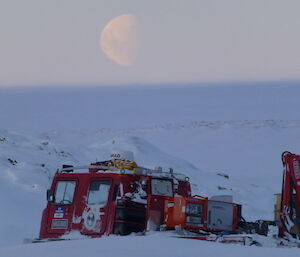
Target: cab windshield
[[64, 192], [161, 187], [98, 192]]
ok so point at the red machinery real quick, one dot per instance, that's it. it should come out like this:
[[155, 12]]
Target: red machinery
[[199, 213], [118, 197], [289, 222]]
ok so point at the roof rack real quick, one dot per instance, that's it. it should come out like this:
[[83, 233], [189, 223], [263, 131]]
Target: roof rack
[[135, 171]]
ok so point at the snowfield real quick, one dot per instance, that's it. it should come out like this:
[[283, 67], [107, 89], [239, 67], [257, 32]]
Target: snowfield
[[136, 246], [208, 133]]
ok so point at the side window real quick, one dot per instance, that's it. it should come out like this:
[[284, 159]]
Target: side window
[[98, 192], [64, 192], [161, 187]]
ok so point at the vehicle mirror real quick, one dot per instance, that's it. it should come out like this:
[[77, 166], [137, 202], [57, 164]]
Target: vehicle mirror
[[50, 196]]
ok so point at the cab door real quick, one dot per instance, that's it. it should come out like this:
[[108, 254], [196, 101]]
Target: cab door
[[62, 207], [161, 189], [95, 213]]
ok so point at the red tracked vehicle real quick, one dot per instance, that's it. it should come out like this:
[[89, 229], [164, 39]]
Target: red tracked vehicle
[[119, 197]]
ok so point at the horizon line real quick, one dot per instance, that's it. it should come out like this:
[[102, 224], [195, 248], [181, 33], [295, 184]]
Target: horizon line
[[153, 85]]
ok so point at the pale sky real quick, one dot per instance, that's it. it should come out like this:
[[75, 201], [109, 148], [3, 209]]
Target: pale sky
[[56, 42]]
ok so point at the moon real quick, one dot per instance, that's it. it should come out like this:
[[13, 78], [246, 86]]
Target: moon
[[119, 39]]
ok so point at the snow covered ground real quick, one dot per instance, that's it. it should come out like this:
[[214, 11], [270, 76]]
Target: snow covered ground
[[136, 246], [204, 131]]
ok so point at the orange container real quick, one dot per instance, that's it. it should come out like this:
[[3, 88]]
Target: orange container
[[186, 212]]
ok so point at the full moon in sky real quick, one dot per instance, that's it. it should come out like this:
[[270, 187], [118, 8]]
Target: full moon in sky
[[119, 39]]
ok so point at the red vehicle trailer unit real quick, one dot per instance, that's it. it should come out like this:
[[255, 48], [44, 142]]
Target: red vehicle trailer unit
[[289, 222]]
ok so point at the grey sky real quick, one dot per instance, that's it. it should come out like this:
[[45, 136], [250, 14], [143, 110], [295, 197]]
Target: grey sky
[[46, 42]]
